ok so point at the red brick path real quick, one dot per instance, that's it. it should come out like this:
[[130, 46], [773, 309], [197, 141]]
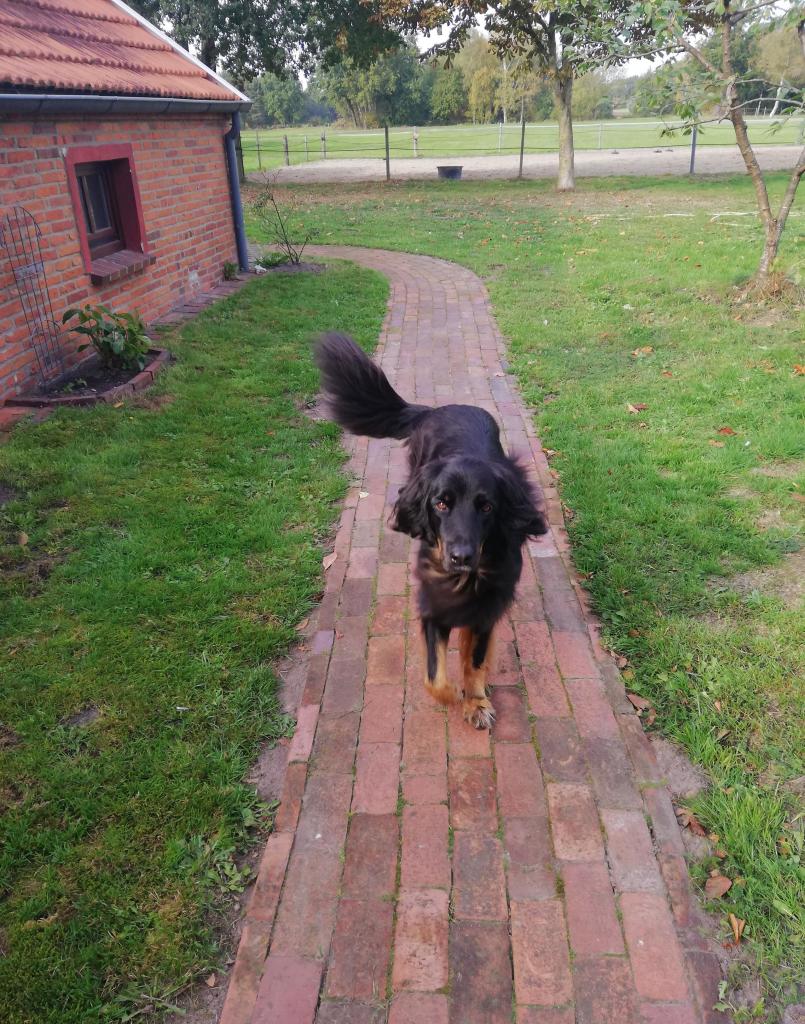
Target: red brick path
[[425, 873]]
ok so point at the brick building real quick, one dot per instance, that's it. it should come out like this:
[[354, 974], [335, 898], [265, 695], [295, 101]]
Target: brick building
[[119, 144]]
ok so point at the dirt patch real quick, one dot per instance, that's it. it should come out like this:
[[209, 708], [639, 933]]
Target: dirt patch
[[781, 470], [785, 581], [684, 779], [770, 519], [154, 402], [7, 495], [8, 737], [589, 163], [86, 716]]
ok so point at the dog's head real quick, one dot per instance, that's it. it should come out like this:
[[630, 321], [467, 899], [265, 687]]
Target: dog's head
[[458, 504]]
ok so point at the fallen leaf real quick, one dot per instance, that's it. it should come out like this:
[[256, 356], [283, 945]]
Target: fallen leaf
[[798, 497], [721, 734], [799, 370], [715, 444], [726, 430], [549, 453], [328, 560], [716, 885], [667, 373], [651, 717], [687, 819], [621, 662], [302, 626], [22, 539], [719, 854], [363, 494], [628, 673], [636, 408], [638, 702], [211, 981], [717, 705], [737, 926], [117, 405], [644, 350]]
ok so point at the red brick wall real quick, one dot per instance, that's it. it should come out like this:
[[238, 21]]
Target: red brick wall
[[184, 189]]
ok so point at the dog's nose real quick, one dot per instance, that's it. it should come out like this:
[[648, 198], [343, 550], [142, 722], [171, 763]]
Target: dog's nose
[[461, 556]]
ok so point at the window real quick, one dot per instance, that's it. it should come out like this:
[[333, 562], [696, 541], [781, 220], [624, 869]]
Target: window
[[98, 203], [108, 212]]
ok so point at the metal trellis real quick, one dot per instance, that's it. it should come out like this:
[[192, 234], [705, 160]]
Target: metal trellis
[[20, 236]]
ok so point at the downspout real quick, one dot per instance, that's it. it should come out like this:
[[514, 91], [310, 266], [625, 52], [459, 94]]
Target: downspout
[[230, 139]]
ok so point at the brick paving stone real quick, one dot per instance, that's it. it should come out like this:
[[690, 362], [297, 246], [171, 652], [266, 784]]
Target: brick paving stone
[[343, 690], [351, 636], [340, 1011], [574, 819], [392, 578], [270, 876], [668, 1013], [604, 991], [381, 721], [520, 790], [420, 942], [546, 694], [245, 980], [335, 742], [630, 852], [479, 886], [573, 654], [664, 825], [480, 974], [289, 991], [389, 616], [512, 724], [361, 949], [590, 906], [370, 860], [386, 662], [425, 863], [302, 742], [419, 1008], [529, 858], [653, 947], [472, 794], [546, 1015], [424, 739], [377, 778], [293, 788], [591, 708], [611, 773], [540, 953], [561, 753], [463, 741], [705, 975], [424, 789]]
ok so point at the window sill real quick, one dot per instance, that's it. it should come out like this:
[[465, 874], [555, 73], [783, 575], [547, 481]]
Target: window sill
[[119, 265]]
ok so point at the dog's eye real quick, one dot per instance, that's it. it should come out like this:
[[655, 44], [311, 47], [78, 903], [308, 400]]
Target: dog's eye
[[486, 508], [441, 505]]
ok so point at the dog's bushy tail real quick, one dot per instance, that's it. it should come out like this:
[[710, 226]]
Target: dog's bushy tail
[[358, 394]]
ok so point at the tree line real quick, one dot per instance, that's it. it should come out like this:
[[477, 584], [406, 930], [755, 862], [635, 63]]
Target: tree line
[[356, 54]]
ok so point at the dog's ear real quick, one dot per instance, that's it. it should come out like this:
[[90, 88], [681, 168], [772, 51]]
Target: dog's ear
[[411, 514], [522, 514]]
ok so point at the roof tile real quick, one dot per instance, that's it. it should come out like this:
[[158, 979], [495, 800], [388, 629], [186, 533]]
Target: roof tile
[[93, 46]]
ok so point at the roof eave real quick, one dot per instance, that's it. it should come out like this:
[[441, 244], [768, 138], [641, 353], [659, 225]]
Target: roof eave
[[33, 104]]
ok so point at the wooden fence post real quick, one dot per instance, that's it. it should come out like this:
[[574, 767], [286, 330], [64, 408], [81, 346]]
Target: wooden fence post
[[259, 154], [285, 149], [388, 163], [522, 137], [693, 135]]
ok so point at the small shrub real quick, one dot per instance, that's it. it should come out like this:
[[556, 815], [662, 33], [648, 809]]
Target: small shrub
[[230, 270], [271, 259], [118, 338], [278, 223]]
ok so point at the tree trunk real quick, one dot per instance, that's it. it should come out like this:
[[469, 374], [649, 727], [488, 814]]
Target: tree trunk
[[208, 54], [782, 90], [563, 94]]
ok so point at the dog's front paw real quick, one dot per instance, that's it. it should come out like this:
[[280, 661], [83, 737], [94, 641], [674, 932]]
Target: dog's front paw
[[478, 711]]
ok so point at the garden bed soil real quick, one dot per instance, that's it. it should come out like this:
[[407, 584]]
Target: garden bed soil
[[90, 383]]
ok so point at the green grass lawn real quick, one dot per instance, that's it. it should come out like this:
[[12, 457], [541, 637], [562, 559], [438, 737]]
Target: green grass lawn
[[622, 294], [488, 139], [173, 544]]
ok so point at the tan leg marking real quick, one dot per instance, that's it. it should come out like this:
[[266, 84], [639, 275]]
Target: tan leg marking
[[478, 710], [441, 689]]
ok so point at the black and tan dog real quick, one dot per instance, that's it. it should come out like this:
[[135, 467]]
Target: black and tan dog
[[470, 504]]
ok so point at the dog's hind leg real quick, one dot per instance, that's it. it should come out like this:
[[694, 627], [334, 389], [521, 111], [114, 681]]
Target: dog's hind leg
[[476, 656], [437, 682]]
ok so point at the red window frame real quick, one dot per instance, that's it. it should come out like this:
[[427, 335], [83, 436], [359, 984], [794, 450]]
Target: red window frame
[[115, 164]]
